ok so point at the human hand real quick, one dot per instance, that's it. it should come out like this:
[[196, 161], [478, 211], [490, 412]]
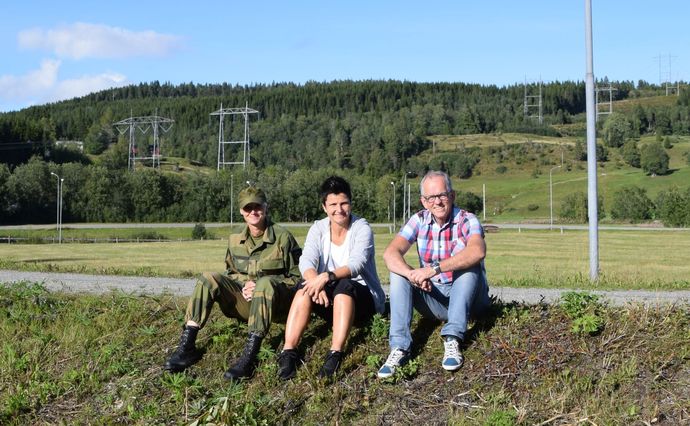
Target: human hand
[[313, 286], [425, 285], [418, 276], [321, 299], [248, 290]]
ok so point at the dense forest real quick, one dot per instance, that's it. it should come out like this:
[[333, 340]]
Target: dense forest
[[370, 131]]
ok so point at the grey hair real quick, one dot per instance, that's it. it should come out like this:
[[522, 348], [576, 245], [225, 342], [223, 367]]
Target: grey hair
[[435, 173]]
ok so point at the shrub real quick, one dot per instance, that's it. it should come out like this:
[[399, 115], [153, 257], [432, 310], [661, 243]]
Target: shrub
[[468, 201], [148, 235], [654, 159], [615, 130], [631, 153], [501, 169], [574, 207], [632, 203], [199, 232], [674, 207], [532, 207]]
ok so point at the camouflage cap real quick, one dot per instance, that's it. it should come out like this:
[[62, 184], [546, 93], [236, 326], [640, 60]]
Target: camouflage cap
[[251, 195]]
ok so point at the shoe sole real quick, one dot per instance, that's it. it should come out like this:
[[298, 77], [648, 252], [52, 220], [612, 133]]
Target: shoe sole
[[451, 367]]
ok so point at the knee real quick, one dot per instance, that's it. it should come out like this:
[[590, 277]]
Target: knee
[[301, 298], [398, 281], [264, 285], [470, 276]]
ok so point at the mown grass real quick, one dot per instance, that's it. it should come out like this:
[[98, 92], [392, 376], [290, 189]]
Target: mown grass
[[69, 359], [527, 258]]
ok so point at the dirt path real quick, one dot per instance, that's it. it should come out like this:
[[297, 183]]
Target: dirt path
[[82, 283]]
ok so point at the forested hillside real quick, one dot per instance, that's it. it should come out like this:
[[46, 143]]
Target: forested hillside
[[370, 131]]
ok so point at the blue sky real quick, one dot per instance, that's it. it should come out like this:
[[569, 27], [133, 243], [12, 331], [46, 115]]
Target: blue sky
[[54, 50]]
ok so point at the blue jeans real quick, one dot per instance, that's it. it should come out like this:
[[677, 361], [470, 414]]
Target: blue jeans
[[454, 303]]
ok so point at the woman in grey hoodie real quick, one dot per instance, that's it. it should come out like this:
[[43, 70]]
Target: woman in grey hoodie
[[340, 280]]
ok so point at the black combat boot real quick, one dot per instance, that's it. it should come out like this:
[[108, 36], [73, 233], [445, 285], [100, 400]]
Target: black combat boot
[[186, 353], [244, 367]]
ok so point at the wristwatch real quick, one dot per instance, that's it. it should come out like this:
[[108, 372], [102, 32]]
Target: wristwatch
[[436, 265], [331, 276]]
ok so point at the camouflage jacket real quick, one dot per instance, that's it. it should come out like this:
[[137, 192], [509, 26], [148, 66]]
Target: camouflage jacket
[[277, 255]]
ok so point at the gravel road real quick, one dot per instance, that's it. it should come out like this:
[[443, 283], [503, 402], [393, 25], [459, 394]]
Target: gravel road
[[97, 284]]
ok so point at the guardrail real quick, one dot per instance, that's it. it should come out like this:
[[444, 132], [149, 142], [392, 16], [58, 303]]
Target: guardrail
[[51, 240]]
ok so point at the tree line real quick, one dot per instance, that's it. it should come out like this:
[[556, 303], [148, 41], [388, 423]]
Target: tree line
[[371, 127], [100, 193]]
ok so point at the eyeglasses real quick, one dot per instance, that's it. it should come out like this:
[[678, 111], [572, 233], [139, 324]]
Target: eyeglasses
[[433, 198]]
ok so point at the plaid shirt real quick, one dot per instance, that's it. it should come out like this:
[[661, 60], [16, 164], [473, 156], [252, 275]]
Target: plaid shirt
[[436, 242]]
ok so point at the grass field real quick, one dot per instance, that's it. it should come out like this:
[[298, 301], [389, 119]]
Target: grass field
[[521, 193], [97, 360], [628, 259]]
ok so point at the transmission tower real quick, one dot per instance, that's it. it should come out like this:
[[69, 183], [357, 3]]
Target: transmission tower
[[245, 154], [145, 124], [665, 75], [533, 102], [604, 103]]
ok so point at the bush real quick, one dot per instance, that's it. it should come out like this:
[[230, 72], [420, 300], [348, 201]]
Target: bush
[[199, 232], [615, 130], [148, 235], [574, 207], [631, 153], [631, 203], [654, 159], [468, 201], [532, 207], [667, 142], [501, 169], [674, 207]]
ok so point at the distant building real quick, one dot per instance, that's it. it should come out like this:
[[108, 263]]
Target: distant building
[[71, 144]]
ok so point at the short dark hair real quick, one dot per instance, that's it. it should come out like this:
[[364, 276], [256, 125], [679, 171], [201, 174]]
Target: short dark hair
[[334, 185]]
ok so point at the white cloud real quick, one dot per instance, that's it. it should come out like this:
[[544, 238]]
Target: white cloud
[[42, 85], [86, 84], [83, 40], [32, 83]]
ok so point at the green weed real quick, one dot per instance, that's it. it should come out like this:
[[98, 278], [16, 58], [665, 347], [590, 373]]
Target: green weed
[[583, 309]]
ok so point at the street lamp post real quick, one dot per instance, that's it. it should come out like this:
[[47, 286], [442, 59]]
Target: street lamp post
[[406, 198], [393, 185], [232, 195], [551, 196], [59, 206]]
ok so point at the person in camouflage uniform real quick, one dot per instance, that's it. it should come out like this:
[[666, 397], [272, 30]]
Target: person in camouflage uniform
[[257, 287]]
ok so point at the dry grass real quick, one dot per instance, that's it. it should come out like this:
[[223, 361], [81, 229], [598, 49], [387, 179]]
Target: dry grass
[[97, 360]]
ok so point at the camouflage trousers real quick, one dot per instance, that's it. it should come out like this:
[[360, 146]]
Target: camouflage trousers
[[270, 301]]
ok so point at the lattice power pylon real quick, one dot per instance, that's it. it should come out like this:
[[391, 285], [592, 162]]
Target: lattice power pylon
[[604, 104], [245, 147], [533, 103], [145, 124]]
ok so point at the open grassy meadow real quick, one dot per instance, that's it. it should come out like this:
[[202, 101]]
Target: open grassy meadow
[[521, 191], [628, 259]]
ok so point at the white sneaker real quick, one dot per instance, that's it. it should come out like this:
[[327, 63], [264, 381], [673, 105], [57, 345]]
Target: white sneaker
[[452, 357], [396, 358]]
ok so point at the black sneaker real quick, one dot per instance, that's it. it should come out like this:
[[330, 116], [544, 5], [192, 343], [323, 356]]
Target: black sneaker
[[287, 364], [330, 366]]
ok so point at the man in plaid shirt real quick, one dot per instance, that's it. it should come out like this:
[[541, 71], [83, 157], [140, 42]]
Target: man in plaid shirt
[[450, 282]]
